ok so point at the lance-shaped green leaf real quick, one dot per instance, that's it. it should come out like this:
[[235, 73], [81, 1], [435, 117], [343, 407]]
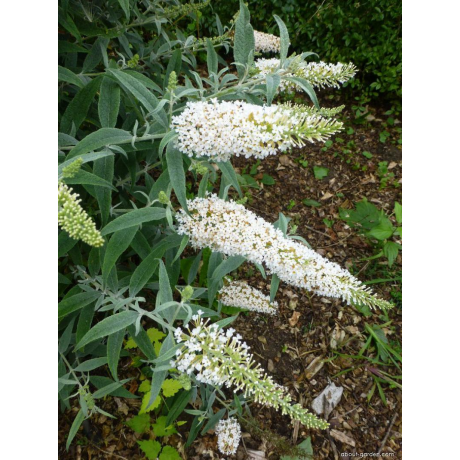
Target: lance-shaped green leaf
[[244, 39], [143, 342], [102, 137], [76, 302], [213, 421], [109, 103], [133, 219], [125, 6], [78, 108], [91, 364], [68, 76], [145, 80], [272, 83], [307, 87], [284, 36], [114, 344], [108, 326], [177, 174], [179, 405], [65, 243], [211, 57], [104, 168], [86, 178], [159, 376], [230, 175], [78, 420], [109, 389], [140, 92], [94, 57], [274, 286], [118, 244], [144, 272]]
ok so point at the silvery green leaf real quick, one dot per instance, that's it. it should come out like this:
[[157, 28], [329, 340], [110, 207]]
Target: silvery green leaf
[[273, 82], [274, 286], [284, 35], [133, 219], [108, 326], [174, 159]]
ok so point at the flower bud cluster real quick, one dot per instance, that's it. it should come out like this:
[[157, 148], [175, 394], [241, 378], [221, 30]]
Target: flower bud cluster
[[266, 43], [319, 74], [73, 218], [71, 170], [219, 130], [231, 229], [228, 435], [240, 294], [303, 110], [219, 357]]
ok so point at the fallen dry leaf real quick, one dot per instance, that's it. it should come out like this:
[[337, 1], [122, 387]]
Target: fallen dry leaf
[[285, 160], [294, 319]]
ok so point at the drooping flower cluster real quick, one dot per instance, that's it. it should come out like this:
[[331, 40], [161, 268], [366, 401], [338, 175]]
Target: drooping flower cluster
[[319, 74], [219, 357], [219, 130], [73, 218], [240, 294], [266, 43], [229, 228], [228, 435]]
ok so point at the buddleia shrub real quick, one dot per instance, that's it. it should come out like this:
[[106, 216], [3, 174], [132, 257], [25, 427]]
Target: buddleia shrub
[[141, 273]]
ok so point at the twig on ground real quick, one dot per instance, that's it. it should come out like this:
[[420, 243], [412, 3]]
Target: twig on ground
[[385, 439]]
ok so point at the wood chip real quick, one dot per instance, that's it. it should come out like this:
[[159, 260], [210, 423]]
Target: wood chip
[[342, 437], [314, 367], [294, 319]]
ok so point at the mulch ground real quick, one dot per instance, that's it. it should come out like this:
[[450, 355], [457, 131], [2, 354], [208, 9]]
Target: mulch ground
[[309, 329]]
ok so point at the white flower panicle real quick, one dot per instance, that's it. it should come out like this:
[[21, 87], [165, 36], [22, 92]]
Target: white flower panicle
[[229, 228], [73, 218], [219, 357], [240, 294], [219, 130], [228, 435], [319, 74], [266, 43]]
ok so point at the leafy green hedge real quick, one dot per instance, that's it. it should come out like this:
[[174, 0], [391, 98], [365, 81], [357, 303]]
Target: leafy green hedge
[[368, 33]]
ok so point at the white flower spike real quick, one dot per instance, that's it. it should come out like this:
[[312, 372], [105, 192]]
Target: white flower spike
[[266, 43], [219, 130], [229, 228], [240, 294], [219, 357], [319, 74]]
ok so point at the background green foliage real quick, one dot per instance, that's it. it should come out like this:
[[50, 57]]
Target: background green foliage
[[368, 33]]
